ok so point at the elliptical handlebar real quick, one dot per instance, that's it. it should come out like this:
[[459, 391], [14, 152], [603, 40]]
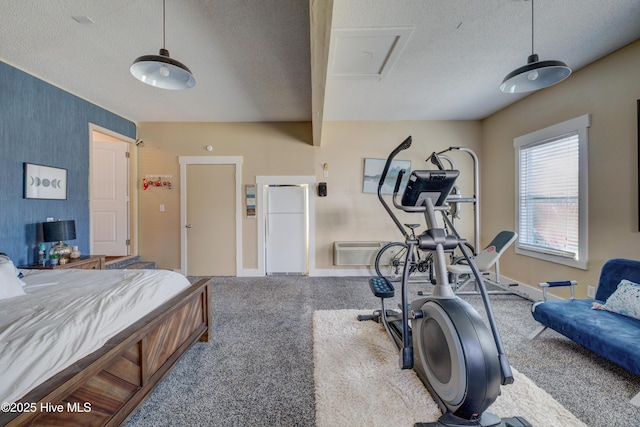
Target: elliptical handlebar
[[394, 197], [398, 181], [403, 146]]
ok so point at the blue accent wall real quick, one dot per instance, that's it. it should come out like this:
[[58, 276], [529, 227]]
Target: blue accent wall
[[42, 124]]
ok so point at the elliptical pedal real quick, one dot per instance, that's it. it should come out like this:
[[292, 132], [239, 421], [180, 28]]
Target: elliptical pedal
[[381, 287]]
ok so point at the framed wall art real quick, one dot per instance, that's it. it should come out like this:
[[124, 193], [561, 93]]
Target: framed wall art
[[250, 200], [373, 171], [44, 182]]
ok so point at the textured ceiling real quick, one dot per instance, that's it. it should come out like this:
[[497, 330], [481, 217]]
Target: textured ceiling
[[461, 50], [250, 58], [253, 62]]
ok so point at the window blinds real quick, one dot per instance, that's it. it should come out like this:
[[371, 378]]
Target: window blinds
[[548, 205]]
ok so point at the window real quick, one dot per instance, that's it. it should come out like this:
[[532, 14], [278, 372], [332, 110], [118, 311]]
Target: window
[[551, 193]]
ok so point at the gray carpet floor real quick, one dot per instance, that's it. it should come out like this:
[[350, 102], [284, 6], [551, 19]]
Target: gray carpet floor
[[257, 369]]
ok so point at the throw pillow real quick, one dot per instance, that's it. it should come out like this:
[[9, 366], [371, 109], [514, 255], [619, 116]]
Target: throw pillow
[[625, 300], [10, 284], [4, 258]]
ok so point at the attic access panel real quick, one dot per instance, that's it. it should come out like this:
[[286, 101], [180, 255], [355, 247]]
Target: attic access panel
[[358, 53]]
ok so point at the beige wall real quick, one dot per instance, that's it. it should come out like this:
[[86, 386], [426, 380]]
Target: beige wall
[[607, 90], [267, 149], [348, 213], [283, 149]]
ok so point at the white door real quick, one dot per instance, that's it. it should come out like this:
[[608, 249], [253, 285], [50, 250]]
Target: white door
[[211, 220], [110, 198], [286, 230]]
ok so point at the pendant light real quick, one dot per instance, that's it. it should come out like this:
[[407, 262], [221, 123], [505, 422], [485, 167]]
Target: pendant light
[[536, 74], [161, 70]]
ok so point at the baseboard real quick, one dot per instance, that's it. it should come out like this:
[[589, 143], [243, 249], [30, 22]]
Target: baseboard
[[249, 272], [346, 272], [533, 293], [343, 272]]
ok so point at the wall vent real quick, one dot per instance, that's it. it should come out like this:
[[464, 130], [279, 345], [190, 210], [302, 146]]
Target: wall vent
[[355, 253]]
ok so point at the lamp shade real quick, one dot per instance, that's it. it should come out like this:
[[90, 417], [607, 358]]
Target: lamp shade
[[162, 71], [57, 231], [535, 75]]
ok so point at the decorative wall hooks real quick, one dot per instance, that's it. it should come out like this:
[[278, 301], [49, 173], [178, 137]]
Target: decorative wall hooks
[[163, 181]]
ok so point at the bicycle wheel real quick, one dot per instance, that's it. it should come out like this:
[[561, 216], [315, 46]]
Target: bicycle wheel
[[390, 261]]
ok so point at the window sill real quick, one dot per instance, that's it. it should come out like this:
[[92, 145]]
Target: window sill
[[552, 258]]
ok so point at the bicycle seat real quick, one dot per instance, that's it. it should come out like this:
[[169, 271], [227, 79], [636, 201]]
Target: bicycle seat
[[412, 227]]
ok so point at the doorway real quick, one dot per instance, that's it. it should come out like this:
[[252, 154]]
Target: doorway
[[110, 200], [210, 221], [210, 215]]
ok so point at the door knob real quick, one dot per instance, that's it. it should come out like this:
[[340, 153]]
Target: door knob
[[188, 226]]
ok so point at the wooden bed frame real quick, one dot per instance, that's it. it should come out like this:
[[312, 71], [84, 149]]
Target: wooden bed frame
[[107, 386]]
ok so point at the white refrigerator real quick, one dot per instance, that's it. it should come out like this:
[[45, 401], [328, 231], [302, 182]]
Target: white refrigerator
[[286, 230]]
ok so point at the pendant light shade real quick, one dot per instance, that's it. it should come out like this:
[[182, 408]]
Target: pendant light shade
[[536, 74], [161, 70]]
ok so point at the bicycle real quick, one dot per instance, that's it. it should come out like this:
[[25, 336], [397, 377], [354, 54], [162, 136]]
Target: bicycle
[[391, 258]]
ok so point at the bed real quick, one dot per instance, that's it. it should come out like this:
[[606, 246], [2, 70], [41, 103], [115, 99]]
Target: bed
[[85, 347]]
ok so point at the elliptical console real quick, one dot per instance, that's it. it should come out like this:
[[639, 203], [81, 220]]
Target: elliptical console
[[429, 184], [459, 359]]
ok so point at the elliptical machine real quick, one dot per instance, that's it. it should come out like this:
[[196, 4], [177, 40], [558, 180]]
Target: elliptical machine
[[461, 361]]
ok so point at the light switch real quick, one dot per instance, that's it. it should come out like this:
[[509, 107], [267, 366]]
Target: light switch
[[161, 208]]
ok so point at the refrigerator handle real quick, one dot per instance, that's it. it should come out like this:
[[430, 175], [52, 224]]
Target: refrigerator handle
[[268, 207], [266, 224]]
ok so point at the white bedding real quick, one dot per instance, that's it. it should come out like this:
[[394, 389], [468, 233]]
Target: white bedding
[[67, 314]]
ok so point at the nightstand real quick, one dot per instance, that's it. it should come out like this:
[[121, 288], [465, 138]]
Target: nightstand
[[87, 262]]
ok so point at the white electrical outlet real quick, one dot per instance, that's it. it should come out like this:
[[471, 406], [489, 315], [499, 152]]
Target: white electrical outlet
[[591, 291]]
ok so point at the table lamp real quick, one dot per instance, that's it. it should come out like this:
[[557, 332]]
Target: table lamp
[[57, 231]]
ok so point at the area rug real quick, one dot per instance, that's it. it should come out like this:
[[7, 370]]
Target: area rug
[[358, 381]]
